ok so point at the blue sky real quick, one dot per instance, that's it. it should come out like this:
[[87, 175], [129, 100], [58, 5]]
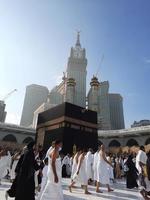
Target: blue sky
[[36, 37]]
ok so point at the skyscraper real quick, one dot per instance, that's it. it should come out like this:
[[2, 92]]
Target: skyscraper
[[116, 111], [104, 106], [2, 111], [109, 107], [76, 69], [34, 97]]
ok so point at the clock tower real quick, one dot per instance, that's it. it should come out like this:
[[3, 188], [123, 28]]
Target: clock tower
[[76, 69]]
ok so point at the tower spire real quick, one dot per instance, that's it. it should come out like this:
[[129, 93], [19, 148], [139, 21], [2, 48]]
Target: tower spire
[[78, 39]]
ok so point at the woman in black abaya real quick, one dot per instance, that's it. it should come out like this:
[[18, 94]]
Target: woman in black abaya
[[25, 186], [131, 173], [12, 191]]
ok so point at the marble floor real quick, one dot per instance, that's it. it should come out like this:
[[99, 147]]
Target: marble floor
[[120, 192]]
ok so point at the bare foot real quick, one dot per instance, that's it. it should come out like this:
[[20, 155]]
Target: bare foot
[[110, 190], [99, 191], [87, 192], [70, 189]]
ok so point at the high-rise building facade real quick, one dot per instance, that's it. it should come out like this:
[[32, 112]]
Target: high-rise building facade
[[76, 69], [109, 107], [116, 111], [104, 108], [98, 98], [35, 95], [2, 111]]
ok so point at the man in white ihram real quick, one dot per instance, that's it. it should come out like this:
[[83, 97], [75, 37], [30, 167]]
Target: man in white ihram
[[89, 165], [53, 188], [50, 149], [141, 160]]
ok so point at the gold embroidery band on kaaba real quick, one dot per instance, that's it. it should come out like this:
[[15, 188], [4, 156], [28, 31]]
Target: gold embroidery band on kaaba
[[55, 123]]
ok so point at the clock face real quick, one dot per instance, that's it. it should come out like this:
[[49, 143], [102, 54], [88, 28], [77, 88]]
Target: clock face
[[77, 53]]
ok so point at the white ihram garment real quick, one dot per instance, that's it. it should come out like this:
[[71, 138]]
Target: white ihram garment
[[74, 167], [95, 165], [8, 160], [141, 157], [110, 172], [44, 180], [4, 165], [102, 170], [53, 191], [82, 176], [12, 171], [44, 177], [36, 179], [89, 165], [110, 169], [48, 152]]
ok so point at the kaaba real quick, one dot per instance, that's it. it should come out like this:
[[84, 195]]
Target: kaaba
[[75, 126]]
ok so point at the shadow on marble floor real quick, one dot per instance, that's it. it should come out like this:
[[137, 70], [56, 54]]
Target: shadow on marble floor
[[69, 197], [105, 195], [116, 195]]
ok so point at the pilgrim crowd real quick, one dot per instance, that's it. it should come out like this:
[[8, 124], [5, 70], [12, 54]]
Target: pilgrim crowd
[[36, 174]]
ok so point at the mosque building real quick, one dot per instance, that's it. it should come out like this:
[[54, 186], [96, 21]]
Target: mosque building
[[72, 89]]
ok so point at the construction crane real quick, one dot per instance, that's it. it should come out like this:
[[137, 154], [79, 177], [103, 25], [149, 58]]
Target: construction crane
[[101, 61], [9, 94]]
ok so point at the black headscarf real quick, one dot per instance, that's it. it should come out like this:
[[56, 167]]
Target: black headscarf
[[130, 158], [30, 145]]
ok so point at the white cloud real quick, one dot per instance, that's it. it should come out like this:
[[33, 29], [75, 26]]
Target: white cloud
[[12, 118]]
